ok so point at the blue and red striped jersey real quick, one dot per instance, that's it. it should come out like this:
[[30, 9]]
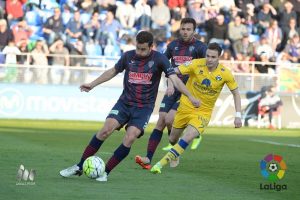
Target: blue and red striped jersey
[[181, 52], [142, 77]]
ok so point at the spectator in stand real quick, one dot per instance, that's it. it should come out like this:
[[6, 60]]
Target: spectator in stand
[[11, 52], [274, 35], [77, 50], [290, 31], [74, 28], [143, 15], [218, 31], [160, 18], [126, 15], [39, 58], [59, 74], [296, 4], [53, 28], [88, 6], [198, 12], [176, 4], [110, 28], [21, 31], [264, 67], [264, 17], [14, 10], [5, 34], [264, 47], [293, 49], [236, 29], [278, 5], [2, 9], [92, 29], [287, 14]]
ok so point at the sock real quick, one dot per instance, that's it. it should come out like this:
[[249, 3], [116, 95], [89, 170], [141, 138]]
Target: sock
[[169, 132], [175, 152], [90, 150], [153, 142], [120, 153]]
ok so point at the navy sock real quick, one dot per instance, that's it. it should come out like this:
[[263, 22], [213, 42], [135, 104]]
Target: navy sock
[[90, 150], [153, 142], [120, 153]]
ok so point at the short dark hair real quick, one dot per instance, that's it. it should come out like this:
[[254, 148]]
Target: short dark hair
[[144, 37], [215, 46], [188, 20]]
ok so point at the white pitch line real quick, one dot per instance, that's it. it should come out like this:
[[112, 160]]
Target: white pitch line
[[276, 143]]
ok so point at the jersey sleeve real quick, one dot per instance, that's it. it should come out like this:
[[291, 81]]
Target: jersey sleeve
[[166, 66], [121, 64], [230, 81], [187, 68], [201, 51]]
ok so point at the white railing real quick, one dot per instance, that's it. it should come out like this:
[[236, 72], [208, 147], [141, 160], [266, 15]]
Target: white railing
[[50, 74]]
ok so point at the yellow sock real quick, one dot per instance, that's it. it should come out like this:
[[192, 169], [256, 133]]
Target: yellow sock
[[175, 152]]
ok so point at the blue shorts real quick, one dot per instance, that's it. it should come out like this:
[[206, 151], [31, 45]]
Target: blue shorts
[[169, 103], [130, 116]]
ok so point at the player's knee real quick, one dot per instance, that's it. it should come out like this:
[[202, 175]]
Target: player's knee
[[104, 133], [169, 121], [129, 139], [173, 140], [160, 125]]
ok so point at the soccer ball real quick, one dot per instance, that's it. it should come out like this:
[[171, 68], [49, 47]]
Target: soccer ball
[[93, 167], [273, 167]]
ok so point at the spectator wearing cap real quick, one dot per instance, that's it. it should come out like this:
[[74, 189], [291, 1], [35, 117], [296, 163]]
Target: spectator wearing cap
[[293, 49], [5, 34], [53, 28], [264, 65]]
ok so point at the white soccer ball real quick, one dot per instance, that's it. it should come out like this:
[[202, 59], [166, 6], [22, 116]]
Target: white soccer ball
[[93, 167], [273, 167]]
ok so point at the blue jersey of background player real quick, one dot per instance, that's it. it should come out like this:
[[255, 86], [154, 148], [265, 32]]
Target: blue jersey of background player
[[143, 68], [179, 51]]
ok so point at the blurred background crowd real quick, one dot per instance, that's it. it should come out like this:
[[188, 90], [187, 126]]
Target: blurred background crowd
[[248, 30]]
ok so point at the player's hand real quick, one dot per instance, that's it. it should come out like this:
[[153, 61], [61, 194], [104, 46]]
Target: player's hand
[[195, 102], [170, 91], [237, 122], [86, 87]]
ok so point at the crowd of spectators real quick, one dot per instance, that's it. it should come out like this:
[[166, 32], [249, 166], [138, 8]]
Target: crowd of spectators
[[248, 30]]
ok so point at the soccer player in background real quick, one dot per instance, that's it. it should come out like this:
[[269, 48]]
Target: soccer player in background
[[180, 51], [143, 68], [206, 80]]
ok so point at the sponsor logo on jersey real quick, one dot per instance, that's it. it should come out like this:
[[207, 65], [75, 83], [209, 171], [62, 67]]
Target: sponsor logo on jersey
[[218, 78], [182, 60], [140, 78]]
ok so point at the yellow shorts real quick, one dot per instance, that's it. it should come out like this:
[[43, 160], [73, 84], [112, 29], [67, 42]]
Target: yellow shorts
[[195, 119]]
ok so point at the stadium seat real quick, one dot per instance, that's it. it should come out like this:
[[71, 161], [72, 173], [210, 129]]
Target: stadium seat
[[33, 18], [263, 116], [93, 50], [85, 18]]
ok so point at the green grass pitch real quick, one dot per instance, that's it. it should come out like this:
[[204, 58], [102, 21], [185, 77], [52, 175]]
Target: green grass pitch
[[226, 166]]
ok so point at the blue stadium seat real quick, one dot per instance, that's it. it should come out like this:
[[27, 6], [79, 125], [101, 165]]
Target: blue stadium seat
[[33, 18], [85, 18], [93, 50]]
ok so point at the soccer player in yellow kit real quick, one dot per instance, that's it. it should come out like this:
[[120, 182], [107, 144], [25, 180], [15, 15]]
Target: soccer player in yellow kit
[[206, 80]]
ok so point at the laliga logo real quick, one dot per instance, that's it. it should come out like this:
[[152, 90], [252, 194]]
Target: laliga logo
[[25, 177], [11, 102], [273, 169]]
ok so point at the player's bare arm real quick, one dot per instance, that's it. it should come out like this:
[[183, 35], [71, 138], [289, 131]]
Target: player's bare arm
[[170, 89], [182, 88], [106, 76], [237, 105]]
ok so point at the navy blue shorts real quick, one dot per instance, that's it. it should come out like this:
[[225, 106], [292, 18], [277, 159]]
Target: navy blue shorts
[[130, 116], [169, 103]]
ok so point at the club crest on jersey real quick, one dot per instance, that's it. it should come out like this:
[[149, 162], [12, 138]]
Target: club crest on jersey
[[218, 78], [151, 63], [201, 72], [206, 82], [191, 48]]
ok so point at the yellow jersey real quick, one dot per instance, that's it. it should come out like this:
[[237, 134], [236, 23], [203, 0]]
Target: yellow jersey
[[205, 85]]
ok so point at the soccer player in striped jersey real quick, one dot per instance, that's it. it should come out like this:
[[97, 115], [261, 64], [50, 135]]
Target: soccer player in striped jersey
[[206, 80], [143, 68], [180, 51]]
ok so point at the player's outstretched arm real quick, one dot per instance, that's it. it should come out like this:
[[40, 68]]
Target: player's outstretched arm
[[170, 89], [182, 88], [105, 76], [237, 105]]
